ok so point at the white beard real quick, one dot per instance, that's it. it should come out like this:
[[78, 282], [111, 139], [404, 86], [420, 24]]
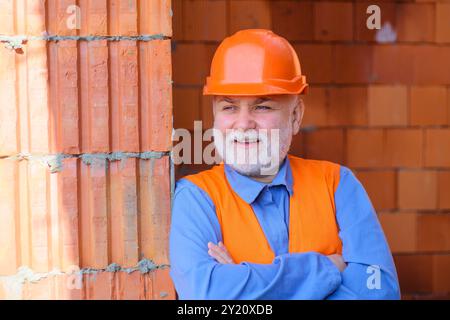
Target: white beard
[[257, 159]]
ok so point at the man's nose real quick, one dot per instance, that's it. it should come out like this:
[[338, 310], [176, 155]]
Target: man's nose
[[244, 120]]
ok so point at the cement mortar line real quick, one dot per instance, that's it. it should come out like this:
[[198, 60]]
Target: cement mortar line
[[55, 161], [26, 274], [17, 41]]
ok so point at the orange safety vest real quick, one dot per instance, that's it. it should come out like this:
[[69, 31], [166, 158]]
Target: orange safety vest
[[312, 219]]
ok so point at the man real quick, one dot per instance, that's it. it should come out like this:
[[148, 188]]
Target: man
[[241, 230]]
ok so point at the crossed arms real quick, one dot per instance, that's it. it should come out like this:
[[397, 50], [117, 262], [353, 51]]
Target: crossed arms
[[202, 272]]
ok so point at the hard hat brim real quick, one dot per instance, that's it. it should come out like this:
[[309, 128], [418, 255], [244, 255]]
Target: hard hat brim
[[269, 87]]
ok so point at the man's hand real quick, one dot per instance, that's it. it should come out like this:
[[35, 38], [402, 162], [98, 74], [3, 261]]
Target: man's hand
[[220, 253], [338, 261]]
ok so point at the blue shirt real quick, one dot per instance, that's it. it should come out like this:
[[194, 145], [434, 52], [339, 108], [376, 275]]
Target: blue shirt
[[370, 272]]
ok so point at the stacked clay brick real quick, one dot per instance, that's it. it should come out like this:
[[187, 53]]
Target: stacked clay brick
[[85, 139]]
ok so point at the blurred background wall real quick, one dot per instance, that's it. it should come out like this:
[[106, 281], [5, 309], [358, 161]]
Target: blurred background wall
[[379, 103]]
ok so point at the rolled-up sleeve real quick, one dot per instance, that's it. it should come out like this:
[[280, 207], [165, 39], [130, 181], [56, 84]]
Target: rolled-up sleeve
[[196, 275], [370, 272]]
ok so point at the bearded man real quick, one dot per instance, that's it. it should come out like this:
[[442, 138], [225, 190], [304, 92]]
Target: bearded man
[[264, 224]]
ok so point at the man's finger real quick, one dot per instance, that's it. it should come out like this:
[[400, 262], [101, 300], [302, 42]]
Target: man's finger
[[222, 246], [215, 253], [220, 251], [216, 256]]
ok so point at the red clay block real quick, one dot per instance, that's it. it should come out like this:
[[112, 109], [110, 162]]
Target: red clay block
[[131, 286], [99, 286], [9, 111], [9, 237], [124, 103], [67, 288], [58, 24], [353, 64], [388, 15], [431, 73], [316, 61], [163, 288], [186, 107], [249, 14], [400, 230], [191, 62], [65, 219], [94, 17], [7, 17], [441, 276], [293, 19], [415, 22], [205, 20], [333, 21], [387, 105], [433, 232], [154, 209], [34, 22], [417, 190], [39, 208], [94, 94], [381, 186], [155, 17], [44, 289], [325, 144], [94, 198], [348, 106], [155, 95], [63, 101], [444, 189], [442, 22], [316, 107], [37, 85], [428, 105], [24, 215], [123, 18], [415, 273], [404, 148], [177, 20], [437, 151], [298, 145], [365, 148], [123, 212], [393, 63], [206, 110]]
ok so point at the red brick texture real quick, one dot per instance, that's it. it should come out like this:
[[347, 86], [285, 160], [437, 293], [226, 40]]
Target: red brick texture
[[85, 141], [383, 109]]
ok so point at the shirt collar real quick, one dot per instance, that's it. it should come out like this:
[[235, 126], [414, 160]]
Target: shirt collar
[[249, 189]]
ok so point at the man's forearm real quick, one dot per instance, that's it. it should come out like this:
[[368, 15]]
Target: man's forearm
[[290, 276]]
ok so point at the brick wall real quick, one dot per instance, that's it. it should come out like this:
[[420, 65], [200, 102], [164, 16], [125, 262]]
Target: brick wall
[[85, 135], [383, 109]]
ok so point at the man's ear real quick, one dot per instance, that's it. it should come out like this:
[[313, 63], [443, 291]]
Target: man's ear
[[297, 115]]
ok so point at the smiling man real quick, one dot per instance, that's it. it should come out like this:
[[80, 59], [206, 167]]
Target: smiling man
[[264, 224]]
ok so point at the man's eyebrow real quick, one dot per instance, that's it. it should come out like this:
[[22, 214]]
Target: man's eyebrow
[[227, 99], [260, 100]]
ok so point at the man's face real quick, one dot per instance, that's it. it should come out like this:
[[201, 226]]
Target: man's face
[[256, 131]]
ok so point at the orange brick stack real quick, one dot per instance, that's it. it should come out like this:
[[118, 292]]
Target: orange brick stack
[[85, 138], [383, 109]]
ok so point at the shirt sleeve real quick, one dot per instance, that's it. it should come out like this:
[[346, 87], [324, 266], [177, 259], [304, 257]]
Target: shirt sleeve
[[370, 272], [196, 275]]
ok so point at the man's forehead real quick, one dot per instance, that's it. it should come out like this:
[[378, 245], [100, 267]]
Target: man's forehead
[[253, 99]]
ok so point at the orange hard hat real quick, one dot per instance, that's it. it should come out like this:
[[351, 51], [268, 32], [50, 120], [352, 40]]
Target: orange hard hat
[[255, 62]]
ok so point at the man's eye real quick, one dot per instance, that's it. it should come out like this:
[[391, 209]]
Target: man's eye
[[230, 108], [263, 108]]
